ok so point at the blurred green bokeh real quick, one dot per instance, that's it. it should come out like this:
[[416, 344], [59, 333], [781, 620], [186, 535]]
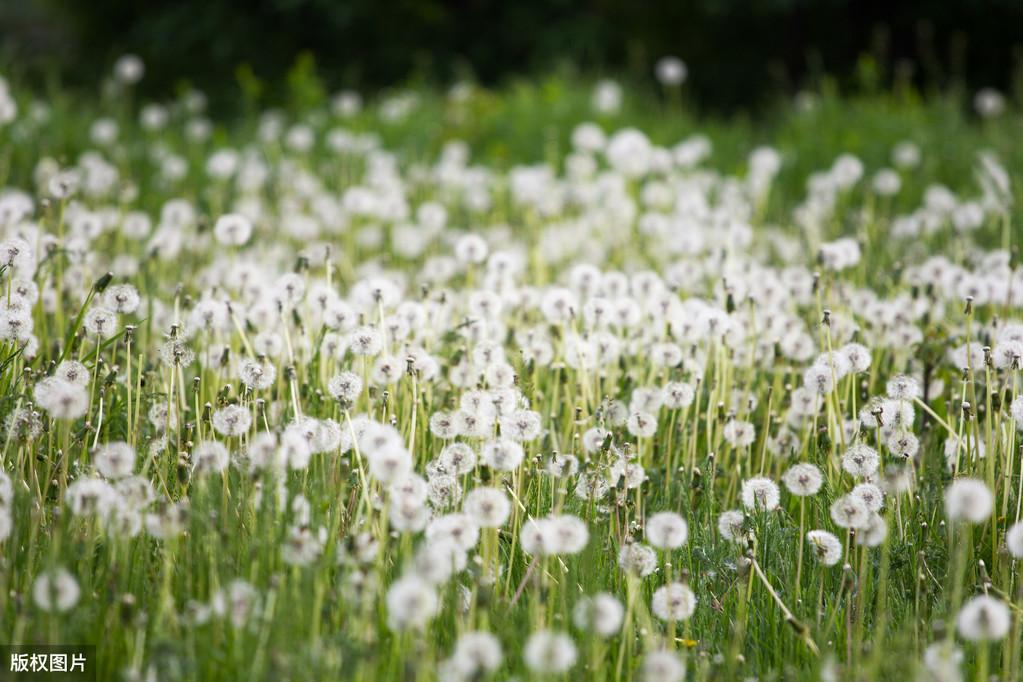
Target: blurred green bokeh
[[740, 52]]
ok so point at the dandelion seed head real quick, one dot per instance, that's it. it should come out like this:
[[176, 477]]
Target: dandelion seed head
[[129, 69], [232, 420], [903, 387], [476, 653], [502, 454], [642, 424], [871, 495], [549, 653], [662, 666], [122, 299], [874, 532], [731, 525], [602, 614], [983, 619], [1014, 540], [903, 444], [819, 378], [666, 530], [73, 372], [488, 506], [673, 602], [114, 460], [210, 457], [100, 322], [860, 460], [850, 511], [302, 546], [1016, 410], [803, 480], [969, 500], [60, 398], [56, 590], [760, 493], [825, 547]]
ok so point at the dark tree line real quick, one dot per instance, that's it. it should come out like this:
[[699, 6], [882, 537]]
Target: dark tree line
[[739, 51]]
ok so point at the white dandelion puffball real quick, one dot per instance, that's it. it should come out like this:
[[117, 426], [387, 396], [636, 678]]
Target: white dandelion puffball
[[115, 459], [673, 602], [56, 590], [825, 547], [730, 525], [662, 666], [671, 70], [1014, 540], [903, 387], [602, 613], [549, 653], [232, 420], [666, 530], [803, 480], [489, 507], [849, 511], [968, 499], [477, 653], [346, 386], [739, 434], [760, 493], [874, 533], [232, 229], [637, 558], [860, 460], [411, 603], [210, 457], [983, 619], [129, 69]]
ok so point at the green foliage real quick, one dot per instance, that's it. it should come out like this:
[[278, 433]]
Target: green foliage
[[737, 56]]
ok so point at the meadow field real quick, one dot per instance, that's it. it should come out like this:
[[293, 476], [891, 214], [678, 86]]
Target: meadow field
[[558, 380]]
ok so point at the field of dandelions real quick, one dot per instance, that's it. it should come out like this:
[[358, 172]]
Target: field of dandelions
[[553, 381]]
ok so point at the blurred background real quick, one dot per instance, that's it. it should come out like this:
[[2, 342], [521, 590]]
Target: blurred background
[[740, 53]]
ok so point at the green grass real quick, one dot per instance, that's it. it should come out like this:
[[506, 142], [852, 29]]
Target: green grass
[[870, 619]]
